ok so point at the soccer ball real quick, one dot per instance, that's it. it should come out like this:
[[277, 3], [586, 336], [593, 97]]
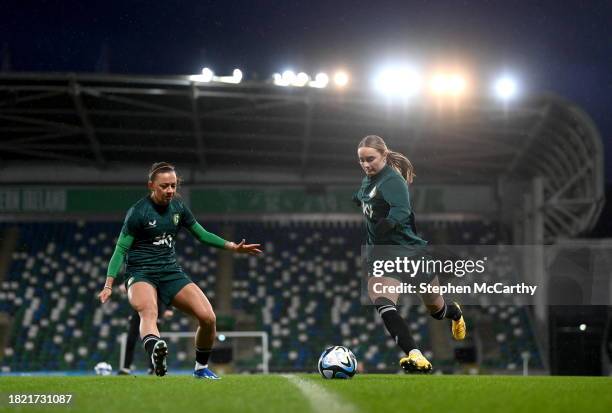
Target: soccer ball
[[103, 369], [337, 362]]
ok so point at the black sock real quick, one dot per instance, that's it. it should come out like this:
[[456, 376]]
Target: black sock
[[453, 312], [202, 356], [397, 327], [149, 342], [448, 311]]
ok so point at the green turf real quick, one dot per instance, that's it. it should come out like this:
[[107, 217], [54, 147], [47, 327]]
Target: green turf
[[455, 394], [367, 393]]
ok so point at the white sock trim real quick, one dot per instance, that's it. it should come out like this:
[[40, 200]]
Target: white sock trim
[[416, 350], [385, 309], [199, 366], [149, 339]]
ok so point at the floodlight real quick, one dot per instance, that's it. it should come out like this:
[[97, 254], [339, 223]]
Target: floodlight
[[235, 78], [277, 78], [237, 75], [456, 85], [320, 81], [448, 84], [506, 88], [398, 82], [301, 79], [288, 77], [341, 78], [207, 75]]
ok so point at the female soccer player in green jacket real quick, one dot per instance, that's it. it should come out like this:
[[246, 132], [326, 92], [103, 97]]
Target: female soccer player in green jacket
[[385, 202], [147, 238]]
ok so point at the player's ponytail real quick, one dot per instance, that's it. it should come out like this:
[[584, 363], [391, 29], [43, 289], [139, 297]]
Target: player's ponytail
[[396, 160], [401, 164]]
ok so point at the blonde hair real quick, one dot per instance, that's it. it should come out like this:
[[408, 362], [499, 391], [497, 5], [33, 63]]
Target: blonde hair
[[396, 160]]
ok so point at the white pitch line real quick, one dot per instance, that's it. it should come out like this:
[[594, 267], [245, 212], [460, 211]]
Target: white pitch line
[[320, 399]]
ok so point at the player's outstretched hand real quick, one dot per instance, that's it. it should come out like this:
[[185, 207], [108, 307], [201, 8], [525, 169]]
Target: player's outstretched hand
[[251, 249], [105, 295]]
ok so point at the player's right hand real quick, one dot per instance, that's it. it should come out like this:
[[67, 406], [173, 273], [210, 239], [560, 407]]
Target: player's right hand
[[105, 295], [243, 247]]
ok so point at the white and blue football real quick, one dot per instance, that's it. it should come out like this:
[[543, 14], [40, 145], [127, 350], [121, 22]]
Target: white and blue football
[[103, 369], [337, 362]]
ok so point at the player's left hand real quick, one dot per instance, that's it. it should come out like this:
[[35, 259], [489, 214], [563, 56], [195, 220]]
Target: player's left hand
[[104, 295], [251, 249]]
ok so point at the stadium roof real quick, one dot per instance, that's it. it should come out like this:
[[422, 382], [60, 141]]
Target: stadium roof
[[101, 121]]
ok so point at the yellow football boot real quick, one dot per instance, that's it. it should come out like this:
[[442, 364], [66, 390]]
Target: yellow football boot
[[458, 328], [415, 362]]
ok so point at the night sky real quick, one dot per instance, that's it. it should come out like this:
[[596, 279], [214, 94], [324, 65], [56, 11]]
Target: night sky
[[563, 47]]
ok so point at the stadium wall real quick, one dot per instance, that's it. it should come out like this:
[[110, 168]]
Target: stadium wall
[[236, 199]]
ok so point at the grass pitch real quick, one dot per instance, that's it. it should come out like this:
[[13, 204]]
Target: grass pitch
[[311, 393]]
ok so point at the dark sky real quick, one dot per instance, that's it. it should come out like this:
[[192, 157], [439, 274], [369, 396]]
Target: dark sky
[[559, 46]]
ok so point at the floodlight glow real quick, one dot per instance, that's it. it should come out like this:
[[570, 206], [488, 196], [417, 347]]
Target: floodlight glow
[[505, 88], [237, 75], [398, 82], [582, 327], [438, 84], [341, 78], [207, 75], [285, 79], [301, 79], [448, 84], [235, 78], [277, 78], [320, 81], [322, 78], [456, 85], [288, 77]]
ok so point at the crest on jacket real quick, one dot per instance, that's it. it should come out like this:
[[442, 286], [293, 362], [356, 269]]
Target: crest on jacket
[[372, 193]]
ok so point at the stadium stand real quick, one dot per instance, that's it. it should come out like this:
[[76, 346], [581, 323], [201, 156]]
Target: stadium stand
[[304, 292]]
